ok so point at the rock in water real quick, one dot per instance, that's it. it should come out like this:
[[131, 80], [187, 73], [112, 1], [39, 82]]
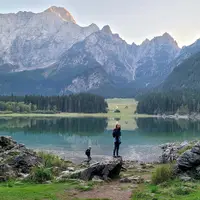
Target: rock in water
[[105, 170]]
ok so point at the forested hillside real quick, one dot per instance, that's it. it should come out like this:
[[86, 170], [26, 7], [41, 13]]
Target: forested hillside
[[77, 103], [184, 76], [180, 102]]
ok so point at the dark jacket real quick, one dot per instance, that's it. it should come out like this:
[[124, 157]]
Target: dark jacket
[[117, 135], [88, 152]]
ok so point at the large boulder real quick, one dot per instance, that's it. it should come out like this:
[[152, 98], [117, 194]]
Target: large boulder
[[15, 159], [6, 143], [24, 162], [170, 151], [190, 158], [6, 172], [188, 164], [105, 170]]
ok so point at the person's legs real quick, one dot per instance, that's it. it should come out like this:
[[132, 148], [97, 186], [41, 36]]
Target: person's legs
[[90, 158], [115, 148]]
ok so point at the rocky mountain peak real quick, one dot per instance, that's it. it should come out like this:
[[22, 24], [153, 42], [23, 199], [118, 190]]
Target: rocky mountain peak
[[167, 35], [106, 29], [64, 14], [145, 42], [166, 38]]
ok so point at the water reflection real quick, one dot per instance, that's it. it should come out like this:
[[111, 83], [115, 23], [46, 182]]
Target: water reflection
[[79, 126], [70, 137]]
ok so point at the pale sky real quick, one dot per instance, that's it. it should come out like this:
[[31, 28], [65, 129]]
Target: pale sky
[[133, 20]]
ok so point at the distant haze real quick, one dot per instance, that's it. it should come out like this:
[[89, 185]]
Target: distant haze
[[134, 20]]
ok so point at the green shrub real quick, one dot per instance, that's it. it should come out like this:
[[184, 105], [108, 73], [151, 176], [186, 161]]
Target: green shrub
[[41, 174], [153, 188], [50, 160], [162, 174], [142, 195], [182, 190]]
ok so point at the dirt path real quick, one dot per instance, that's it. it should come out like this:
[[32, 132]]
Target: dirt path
[[111, 191]]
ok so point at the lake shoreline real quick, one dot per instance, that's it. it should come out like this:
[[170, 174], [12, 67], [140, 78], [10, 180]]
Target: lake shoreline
[[75, 115], [177, 117]]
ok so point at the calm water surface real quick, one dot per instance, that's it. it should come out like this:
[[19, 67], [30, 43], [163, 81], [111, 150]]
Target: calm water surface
[[69, 137]]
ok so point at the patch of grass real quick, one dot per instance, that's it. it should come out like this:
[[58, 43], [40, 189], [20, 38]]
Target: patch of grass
[[51, 160], [41, 174], [182, 190], [170, 190], [153, 188], [85, 187], [162, 174], [29, 191], [188, 147], [91, 199]]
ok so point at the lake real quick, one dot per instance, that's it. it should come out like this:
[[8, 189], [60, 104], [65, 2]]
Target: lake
[[69, 137]]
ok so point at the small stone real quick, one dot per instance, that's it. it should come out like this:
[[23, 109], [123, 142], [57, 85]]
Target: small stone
[[147, 181], [97, 179], [185, 178], [48, 182], [134, 186], [23, 176], [125, 180], [138, 180], [71, 169]]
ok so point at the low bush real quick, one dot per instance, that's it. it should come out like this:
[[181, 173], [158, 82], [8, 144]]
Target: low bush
[[162, 174], [153, 188], [182, 190], [40, 175], [50, 160]]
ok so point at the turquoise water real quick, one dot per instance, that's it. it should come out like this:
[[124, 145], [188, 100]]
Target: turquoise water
[[69, 137]]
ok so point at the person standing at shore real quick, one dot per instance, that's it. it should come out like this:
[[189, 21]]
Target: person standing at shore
[[117, 140], [88, 154]]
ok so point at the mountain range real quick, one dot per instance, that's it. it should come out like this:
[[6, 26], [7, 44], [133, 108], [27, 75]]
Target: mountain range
[[49, 53]]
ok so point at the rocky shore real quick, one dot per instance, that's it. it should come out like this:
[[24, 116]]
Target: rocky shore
[[185, 157], [19, 162]]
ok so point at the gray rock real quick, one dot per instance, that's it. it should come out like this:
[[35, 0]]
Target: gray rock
[[97, 179], [71, 169], [125, 180], [48, 182], [183, 144], [6, 143], [6, 172], [137, 180], [104, 170], [25, 162], [16, 159], [196, 149], [188, 160], [169, 153], [23, 176], [198, 169], [132, 179], [185, 178]]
